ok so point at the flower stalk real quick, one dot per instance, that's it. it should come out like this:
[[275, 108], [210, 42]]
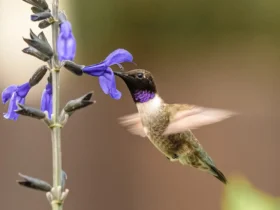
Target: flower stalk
[[56, 127], [60, 54]]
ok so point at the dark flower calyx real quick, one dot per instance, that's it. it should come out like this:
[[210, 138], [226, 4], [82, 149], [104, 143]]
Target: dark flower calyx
[[45, 23], [40, 16], [50, 78], [38, 75], [30, 112], [34, 183], [32, 51], [40, 4], [40, 43], [36, 10], [73, 67], [78, 103]]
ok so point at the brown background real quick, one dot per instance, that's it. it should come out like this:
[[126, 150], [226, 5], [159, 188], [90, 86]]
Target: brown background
[[215, 53]]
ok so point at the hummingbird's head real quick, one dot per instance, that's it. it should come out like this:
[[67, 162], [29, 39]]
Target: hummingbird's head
[[140, 83]]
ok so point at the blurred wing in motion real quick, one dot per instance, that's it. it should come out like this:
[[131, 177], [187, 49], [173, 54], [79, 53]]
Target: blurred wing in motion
[[133, 124], [195, 117]]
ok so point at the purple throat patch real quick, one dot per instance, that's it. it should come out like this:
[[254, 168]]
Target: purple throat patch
[[143, 96]]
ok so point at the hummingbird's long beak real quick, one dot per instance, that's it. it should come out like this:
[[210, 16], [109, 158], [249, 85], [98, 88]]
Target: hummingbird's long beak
[[120, 74], [128, 79]]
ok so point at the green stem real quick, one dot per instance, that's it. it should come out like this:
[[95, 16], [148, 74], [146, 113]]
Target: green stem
[[56, 129]]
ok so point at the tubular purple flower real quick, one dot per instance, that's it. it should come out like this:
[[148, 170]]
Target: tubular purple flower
[[104, 72], [15, 94], [66, 42], [46, 100]]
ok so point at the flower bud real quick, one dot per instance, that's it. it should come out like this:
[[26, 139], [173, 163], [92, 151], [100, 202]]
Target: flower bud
[[38, 75], [78, 103], [34, 183], [63, 179], [30, 112]]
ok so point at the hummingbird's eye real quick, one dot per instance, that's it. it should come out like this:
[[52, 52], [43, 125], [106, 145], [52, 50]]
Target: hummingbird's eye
[[140, 75]]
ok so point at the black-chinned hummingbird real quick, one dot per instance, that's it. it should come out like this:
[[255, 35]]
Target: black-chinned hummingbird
[[168, 126]]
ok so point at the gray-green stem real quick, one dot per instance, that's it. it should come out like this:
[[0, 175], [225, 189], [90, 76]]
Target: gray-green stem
[[56, 129]]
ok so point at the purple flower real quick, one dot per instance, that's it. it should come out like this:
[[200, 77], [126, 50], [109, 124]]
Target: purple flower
[[46, 100], [66, 43], [104, 72], [15, 94]]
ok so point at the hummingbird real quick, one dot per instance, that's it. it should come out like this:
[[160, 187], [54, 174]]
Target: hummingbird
[[168, 126]]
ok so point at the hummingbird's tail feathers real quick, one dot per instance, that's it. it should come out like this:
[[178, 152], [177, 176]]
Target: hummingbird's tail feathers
[[218, 174]]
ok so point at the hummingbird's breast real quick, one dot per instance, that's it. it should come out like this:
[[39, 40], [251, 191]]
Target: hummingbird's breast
[[155, 117]]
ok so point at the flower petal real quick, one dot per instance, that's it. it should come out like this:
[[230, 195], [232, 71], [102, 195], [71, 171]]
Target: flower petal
[[65, 29], [11, 115], [96, 69], [118, 56], [50, 108], [61, 43], [115, 94], [16, 94], [8, 92], [49, 88], [108, 84], [23, 90], [20, 100], [71, 48], [104, 84], [66, 43], [46, 100]]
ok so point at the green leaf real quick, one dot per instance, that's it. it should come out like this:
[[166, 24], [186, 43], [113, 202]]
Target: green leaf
[[241, 195]]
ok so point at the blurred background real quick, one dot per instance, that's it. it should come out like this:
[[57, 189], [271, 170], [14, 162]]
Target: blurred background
[[217, 53]]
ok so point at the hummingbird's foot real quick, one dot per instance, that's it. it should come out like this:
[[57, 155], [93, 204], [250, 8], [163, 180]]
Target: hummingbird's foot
[[173, 158]]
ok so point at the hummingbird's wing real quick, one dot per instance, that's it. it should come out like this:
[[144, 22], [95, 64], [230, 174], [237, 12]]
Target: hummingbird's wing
[[133, 124], [187, 117]]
